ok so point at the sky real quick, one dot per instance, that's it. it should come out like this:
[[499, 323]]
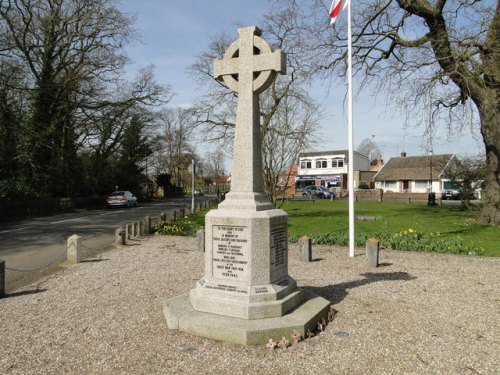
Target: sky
[[174, 32]]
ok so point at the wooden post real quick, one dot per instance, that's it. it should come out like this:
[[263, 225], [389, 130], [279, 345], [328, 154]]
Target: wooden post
[[380, 195], [200, 237], [372, 252], [305, 246]]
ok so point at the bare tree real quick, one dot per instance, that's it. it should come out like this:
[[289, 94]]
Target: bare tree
[[290, 130], [440, 56], [369, 148], [174, 149]]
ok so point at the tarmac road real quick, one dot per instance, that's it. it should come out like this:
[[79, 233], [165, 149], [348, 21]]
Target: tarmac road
[[33, 247]]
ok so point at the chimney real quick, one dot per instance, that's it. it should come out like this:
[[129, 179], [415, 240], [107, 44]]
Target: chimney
[[403, 154]]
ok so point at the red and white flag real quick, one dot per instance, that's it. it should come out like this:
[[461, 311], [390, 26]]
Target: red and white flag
[[335, 8]]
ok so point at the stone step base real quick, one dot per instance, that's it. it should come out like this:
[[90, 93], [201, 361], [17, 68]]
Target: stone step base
[[180, 315]]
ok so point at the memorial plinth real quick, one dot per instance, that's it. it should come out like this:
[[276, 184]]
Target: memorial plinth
[[246, 295]]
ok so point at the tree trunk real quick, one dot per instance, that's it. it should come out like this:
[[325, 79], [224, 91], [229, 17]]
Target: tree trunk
[[489, 112]]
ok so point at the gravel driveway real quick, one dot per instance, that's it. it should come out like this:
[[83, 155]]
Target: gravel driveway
[[416, 314]]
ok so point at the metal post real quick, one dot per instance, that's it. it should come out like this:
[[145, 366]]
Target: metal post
[[192, 187]]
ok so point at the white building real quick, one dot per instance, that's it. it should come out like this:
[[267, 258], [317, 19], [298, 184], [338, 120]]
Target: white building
[[414, 174], [330, 169]]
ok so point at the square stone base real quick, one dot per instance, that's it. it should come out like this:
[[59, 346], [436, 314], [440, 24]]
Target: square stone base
[[180, 315]]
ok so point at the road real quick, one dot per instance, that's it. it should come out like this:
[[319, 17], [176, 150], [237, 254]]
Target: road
[[28, 246]]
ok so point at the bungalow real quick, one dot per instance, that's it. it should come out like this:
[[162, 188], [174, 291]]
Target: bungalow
[[413, 174]]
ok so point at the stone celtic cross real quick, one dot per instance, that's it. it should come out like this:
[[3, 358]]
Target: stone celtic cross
[[248, 68]]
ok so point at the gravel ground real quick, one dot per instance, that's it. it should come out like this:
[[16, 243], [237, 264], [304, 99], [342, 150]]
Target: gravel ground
[[416, 314]]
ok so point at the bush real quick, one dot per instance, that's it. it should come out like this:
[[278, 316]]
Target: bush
[[407, 240], [16, 190], [177, 228]]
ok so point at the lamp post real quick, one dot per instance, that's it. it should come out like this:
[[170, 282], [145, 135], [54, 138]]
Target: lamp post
[[431, 200]]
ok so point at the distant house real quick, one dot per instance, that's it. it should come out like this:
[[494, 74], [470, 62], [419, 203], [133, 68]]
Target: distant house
[[413, 174], [330, 169]]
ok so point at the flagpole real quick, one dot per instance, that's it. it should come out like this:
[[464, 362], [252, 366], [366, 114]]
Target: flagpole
[[350, 132]]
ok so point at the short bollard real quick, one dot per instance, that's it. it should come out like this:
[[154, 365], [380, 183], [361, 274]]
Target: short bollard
[[372, 252], [2, 278], [73, 251], [200, 239], [127, 233], [118, 235], [137, 229], [305, 246], [409, 199], [147, 225]]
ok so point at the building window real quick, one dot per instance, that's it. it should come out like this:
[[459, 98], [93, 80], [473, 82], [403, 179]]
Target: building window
[[305, 164], [337, 163], [390, 185], [321, 163]]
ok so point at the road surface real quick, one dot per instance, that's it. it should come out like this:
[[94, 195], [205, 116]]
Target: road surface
[[37, 246]]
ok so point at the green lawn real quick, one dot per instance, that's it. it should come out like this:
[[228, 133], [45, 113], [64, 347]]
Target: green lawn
[[393, 217], [450, 221]]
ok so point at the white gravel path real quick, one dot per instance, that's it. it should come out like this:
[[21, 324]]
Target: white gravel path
[[417, 314]]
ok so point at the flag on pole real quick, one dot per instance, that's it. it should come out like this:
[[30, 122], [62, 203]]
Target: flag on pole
[[335, 8]]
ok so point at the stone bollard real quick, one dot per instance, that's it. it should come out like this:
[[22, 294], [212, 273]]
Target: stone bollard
[[380, 196], [137, 229], [123, 236], [147, 225], [119, 235], [200, 239], [440, 201], [409, 199], [73, 250], [305, 246], [2, 278], [372, 252], [127, 233]]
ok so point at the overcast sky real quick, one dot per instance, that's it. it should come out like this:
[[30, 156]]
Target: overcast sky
[[173, 32]]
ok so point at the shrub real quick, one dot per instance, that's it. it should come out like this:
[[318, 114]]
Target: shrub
[[177, 228], [407, 240]]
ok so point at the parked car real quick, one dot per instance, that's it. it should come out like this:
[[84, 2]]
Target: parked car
[[318, 191], [121, 198], [450, 194], [199, 192]]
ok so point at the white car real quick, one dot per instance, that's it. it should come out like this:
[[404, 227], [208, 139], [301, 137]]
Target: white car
[[121, 198]]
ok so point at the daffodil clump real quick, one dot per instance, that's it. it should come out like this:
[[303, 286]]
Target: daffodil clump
[[406, 240], [177, 228]]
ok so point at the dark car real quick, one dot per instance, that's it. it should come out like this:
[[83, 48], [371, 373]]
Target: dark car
[[122, 198], [450, 194], [318, 191]]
